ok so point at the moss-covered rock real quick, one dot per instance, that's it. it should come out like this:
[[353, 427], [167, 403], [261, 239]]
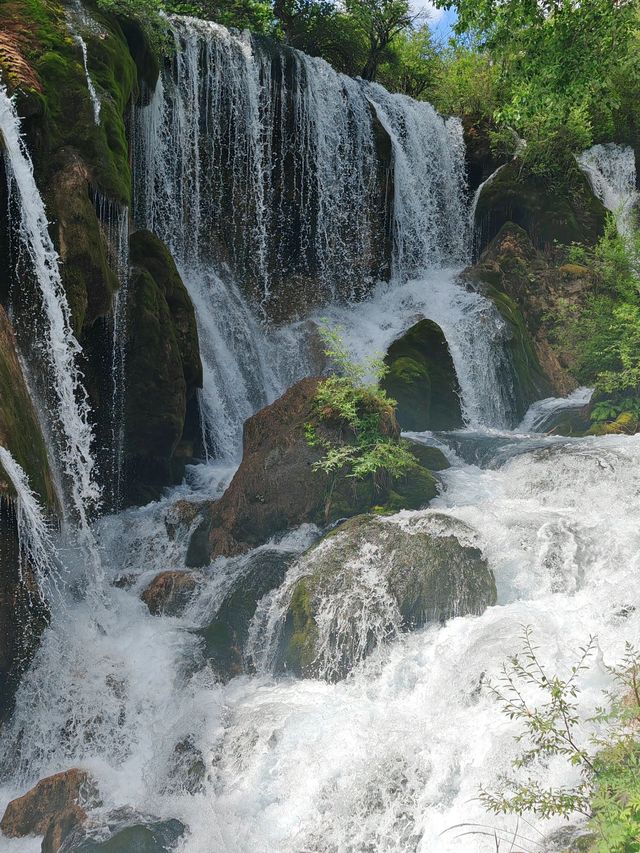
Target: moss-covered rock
[[225, 637], [560, 214], [276, 487], [422, 379], [529, 289], [23, 613], [373, 578], [150, 253]]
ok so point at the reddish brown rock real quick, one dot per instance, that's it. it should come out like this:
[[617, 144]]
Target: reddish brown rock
[[276, 488], [169, 592], [60, 799]]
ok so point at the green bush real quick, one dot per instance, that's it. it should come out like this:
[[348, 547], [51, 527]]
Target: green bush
[[352, 397], [608, 793]]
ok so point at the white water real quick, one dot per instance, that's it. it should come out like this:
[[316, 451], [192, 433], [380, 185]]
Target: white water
[[390, 759], [611, 170], [95, 100], [34, 535], [210, 181], [59, 345], [114, 221]]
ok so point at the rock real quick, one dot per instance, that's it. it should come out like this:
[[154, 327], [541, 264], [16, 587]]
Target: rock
[[169, 593], [23, 613], [482, 161], [125, 831], [566, 214], [53, 808], [163, 370], [429, 457], [373, 578], [422, 379], [528, 290], [275, 488], [226, 636]]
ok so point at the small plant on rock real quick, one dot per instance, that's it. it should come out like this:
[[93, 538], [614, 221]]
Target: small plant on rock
[[352, 396]]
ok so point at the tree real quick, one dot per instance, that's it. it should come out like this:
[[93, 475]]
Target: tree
[[413, 63], [380, 21]]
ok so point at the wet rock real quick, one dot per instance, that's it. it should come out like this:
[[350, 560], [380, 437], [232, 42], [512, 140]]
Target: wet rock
[[565, 214], [226, 636], [126, 831], [53, 808], [170, 592], [371, 579], [429, 457], [528, 290], [422, 379], [163, 371], [276, 488], [23, 613]]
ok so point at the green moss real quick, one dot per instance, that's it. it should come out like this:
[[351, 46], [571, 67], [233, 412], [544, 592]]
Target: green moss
[[429, 457], [302, 630], [19, 428], [529, 382], [422, 380], [150, 253], [412, 491]]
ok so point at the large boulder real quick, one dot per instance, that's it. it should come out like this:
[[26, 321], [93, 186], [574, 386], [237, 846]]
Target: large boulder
[[163, 371], [530, 288], [422, 379], [276, 487], [567, 214], [122, 831], [55, 806], [373, 578]]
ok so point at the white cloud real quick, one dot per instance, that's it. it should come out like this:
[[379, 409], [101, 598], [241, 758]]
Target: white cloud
[[434, 15]]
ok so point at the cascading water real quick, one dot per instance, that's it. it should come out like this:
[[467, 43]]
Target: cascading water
[[114, 220], [56, 339], [34, 535], [95, 100], [611, 170], [280, 185], [389, 759]]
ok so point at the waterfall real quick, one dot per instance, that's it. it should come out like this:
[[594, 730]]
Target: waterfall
[[611, 170], [95, 100], [34, 537], [58, 343], [279, 186], [114, 221]]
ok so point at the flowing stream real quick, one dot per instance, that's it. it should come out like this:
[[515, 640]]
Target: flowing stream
[[391, 758]]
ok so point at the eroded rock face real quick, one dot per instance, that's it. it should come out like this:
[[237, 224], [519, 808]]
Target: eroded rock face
[[170, 592], [163, 371], [373, 578], [23, 613], [422, 379], [276, 488], [53, 808], [567, 214], [528, 288]]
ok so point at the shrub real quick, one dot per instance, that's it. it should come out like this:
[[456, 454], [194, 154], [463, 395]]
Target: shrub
[[353, 397]]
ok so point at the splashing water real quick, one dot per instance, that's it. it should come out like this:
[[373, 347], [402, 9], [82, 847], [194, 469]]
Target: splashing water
[[59, 344], [611, 170], [34, 536]]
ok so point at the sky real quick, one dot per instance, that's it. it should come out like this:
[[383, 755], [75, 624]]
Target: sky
[[440, 20]]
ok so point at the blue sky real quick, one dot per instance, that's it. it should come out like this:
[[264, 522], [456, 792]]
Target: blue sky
[[440, 21]]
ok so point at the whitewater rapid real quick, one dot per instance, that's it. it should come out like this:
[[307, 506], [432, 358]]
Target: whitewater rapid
[[390, 759]]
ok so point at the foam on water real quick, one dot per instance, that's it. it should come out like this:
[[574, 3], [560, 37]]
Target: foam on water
[[389, 759]]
